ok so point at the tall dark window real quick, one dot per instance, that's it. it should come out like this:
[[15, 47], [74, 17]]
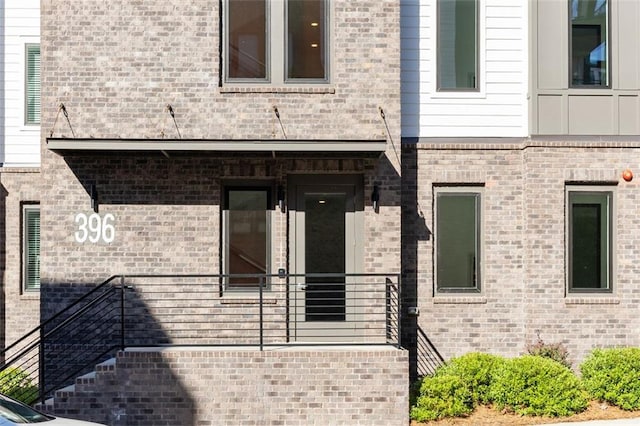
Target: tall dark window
[[247, 39], [246, 235], [306, 44], [589, 43], [457, 236], [590, 228], [457, 41]]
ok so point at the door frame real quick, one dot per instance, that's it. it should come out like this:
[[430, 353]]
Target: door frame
[[356, 239]]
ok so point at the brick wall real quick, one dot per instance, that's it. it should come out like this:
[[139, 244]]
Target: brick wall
[[523, 289], [366, 386], [116, 66], [21, 310]]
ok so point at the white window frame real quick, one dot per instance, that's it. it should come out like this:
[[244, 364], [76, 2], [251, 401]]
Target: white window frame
[[25, 237], [610, 192], [276, 68], [478, 192], [480, 92]]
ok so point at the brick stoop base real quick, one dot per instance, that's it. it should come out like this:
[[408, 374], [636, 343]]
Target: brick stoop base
[[216, 386]]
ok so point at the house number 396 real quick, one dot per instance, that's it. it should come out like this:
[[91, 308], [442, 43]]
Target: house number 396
[[95, 228]]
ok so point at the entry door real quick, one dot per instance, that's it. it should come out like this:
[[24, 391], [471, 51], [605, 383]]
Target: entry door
[[326, 244]]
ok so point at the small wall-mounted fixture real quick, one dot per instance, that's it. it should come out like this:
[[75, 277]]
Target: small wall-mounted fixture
[[413, 311], [94, 198], [375, 198], [281, 198], [627, 175]]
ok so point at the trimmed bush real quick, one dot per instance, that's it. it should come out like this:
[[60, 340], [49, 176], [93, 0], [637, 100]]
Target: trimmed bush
[[538, 386], [476, 370], [442, 396], [613, 375], [456, 388], [16, 383]]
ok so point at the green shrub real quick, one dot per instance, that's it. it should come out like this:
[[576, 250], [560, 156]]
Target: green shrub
[[556, 351], [533, 385], [442, 396], [456, 388], [476, 370], [16, 383], [613, 375]]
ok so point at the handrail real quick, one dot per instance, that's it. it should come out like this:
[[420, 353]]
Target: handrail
[[58, 315], [196, 310], [42, 327]]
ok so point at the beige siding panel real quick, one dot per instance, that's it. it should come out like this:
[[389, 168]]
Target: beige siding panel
[[550, 121], [627, 57], [629, 115], [552, 50], [591, 115]]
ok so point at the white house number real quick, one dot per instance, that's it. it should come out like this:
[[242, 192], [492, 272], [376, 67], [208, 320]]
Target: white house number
[[95, 228]]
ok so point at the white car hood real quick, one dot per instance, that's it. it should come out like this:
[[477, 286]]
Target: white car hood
[[58, 421]]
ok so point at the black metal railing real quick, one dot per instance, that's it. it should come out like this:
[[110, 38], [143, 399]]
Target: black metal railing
[[201, 310]]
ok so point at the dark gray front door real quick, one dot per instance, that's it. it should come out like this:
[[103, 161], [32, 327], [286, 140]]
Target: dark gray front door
[[324, 222]]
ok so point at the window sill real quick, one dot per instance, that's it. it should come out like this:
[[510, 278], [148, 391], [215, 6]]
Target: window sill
[[459, 300], [312, 89], [591, 300]]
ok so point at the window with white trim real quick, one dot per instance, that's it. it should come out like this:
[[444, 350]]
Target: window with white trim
[[458, 239], [590, 239], [457, 44], [277, 41], [32, 83], [30, 247]]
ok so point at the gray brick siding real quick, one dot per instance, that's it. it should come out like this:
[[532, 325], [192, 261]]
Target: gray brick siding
[[231, 387], [524, 285], [21, 310]]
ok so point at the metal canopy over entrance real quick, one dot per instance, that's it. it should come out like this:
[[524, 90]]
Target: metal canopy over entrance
[[358, 148]]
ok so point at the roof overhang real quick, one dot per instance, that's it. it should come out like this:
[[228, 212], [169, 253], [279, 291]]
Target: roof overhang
[[256, 147]]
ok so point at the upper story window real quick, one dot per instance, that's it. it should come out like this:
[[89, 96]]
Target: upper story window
[[590, 239], [277, 41], [589, 43], [458, 239], [457, 40], [32, 86]]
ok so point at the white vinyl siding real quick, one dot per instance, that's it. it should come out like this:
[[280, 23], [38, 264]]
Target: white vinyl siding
[[21, 27], [499, 107]]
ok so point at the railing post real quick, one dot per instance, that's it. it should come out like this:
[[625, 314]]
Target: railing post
[[41, 367], [122, 324], [261, 283]]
